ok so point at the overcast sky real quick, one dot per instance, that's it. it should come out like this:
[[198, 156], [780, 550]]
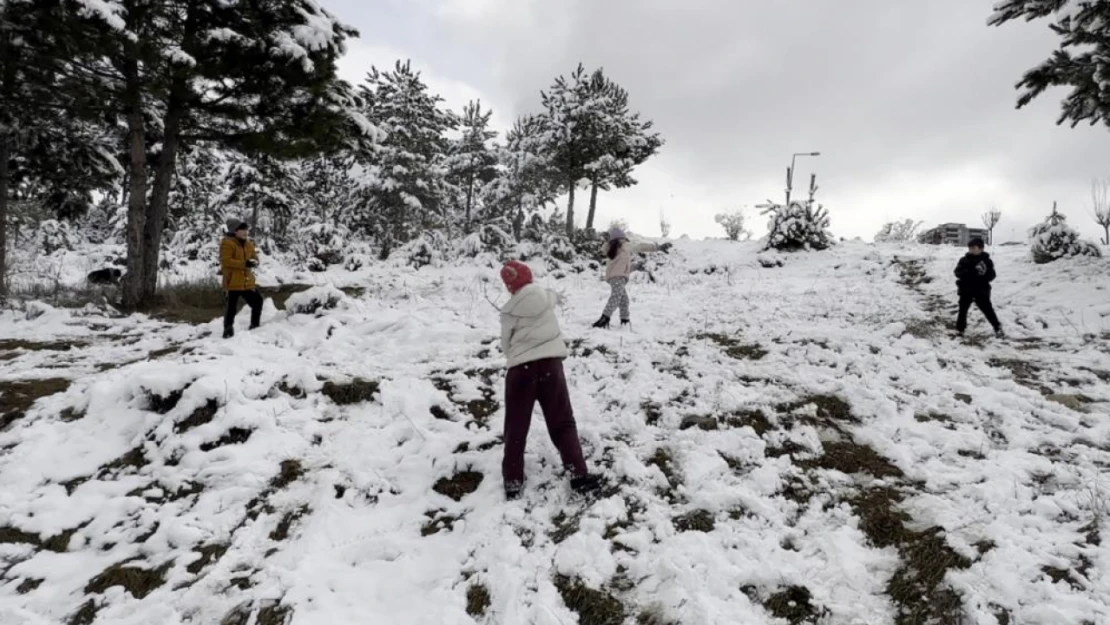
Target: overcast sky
[[910, 104]]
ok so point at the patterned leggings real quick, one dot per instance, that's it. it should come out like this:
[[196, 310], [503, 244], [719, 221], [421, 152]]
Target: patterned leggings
[[618, 298]]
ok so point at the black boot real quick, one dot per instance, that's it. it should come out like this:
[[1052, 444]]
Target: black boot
[[513, 490], [228, 333], [626, 322], [586, 483], [602, 323]]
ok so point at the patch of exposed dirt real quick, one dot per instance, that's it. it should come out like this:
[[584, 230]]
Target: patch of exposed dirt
[[17, 397], [281, 532], [355, 391], [291, 471], [851, 457], [459, 485], [201, 415], [234, 436], [137, 581], [163, 404], [209, 554]]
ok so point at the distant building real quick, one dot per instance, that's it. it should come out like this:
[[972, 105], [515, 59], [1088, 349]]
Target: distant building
[[951, 234]]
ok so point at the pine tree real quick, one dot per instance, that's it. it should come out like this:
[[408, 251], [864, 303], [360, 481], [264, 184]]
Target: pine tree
[[798, 225], [255, 77], [572, 132], [471, 162], [526, 180], [625, 141], [1081, 62], [405, 189]]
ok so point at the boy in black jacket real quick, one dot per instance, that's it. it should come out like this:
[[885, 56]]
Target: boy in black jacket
[[974, 274]]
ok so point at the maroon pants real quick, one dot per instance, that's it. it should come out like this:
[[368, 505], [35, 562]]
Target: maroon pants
[[543, 381]]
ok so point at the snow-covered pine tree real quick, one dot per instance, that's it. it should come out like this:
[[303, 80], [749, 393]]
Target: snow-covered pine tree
[[471, 162], [403, 188], [1082, 61], [572, 131], [625, 141], [526, 180], [1054, 239], [256, 77], [798, 226]]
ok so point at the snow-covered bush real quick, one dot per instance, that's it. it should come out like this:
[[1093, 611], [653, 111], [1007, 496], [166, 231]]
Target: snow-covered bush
[[734, 224], [800, 226], [490, 238], [430, 247], [313, 300], [53, 235], [904, 231], [319, 245], [1053, 239]]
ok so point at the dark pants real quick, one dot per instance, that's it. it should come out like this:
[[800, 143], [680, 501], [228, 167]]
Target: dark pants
[[252, 298], [982, 299], [543, 381]]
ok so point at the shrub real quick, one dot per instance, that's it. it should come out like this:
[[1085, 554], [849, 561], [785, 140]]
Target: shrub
[[1053, 239], [313, 300], [734, 225]]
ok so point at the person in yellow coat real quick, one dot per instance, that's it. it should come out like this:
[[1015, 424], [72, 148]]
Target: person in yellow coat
[[237, 262]]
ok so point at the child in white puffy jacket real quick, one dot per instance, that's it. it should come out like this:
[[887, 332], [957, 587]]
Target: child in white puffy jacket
[[619, 251], [535, 350]]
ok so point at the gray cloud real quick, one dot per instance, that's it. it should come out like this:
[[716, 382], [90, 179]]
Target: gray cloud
[[895, 95]]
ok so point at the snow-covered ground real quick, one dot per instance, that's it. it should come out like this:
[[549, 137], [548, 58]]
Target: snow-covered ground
[[795, 444]]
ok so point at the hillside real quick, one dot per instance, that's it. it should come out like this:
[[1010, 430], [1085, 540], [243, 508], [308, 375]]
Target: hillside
[[795, 444]]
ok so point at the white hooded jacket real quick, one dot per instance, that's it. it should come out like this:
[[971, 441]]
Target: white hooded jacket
[[529, 329]]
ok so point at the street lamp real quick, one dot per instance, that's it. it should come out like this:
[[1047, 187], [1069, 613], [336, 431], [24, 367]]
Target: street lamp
[[790, 172]]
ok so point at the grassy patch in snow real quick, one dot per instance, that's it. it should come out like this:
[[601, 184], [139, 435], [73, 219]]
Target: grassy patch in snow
[[268, 613], [477, 599], [664, 461], [17, 345], [285, 525], [695, 521], [355, 391], [438, 521], [734, 347], [481, 409], [593, 607], [793, 604], [233, 436], [17, 397], [209, 554]]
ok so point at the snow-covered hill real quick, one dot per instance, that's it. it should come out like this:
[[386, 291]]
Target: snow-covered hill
[[795, 444]]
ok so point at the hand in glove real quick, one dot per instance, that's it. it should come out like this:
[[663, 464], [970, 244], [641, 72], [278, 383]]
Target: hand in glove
[[252, 263]]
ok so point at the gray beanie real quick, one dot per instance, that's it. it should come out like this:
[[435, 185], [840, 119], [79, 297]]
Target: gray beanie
[[615, 234], [234, 223]]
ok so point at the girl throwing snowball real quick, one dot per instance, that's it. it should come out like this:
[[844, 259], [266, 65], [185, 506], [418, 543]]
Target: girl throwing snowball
[[534, 347], [619, 251]]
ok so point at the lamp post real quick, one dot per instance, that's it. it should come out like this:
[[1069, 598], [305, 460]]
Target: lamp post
[[790, 172]]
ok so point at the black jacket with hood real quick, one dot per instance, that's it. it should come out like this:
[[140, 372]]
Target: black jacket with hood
[[974, 274]]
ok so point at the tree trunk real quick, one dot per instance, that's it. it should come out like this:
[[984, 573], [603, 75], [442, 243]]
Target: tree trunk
[[570, 211], [1106, 241], [469, 201], [593, 206], [160, 195], [132, 285], [5, 157]]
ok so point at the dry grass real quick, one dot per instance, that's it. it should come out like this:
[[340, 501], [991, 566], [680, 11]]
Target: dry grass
[[201, 415], [593, 607], [281, 532], [734, 347], [695, 521], [477, 600], [234, 436]]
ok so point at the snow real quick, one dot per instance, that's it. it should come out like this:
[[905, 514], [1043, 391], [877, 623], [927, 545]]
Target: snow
[[984, 454]]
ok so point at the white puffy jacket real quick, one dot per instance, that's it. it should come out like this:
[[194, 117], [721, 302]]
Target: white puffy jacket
[[529, 329]]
